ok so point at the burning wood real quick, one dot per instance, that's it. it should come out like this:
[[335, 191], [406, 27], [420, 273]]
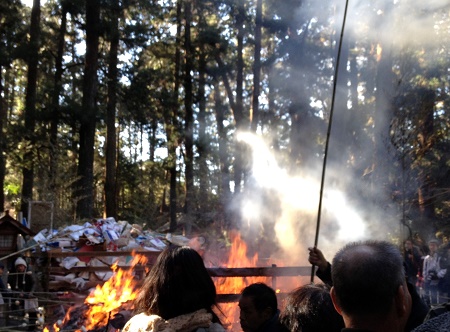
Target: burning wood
[[101, 306], [109, 306], [234, 285]]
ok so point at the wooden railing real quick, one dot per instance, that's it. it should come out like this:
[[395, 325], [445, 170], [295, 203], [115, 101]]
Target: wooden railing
[[273, 271]]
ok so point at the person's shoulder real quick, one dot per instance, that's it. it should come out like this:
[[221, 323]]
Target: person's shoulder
[[139, 317], [438, 323], [140, 322]]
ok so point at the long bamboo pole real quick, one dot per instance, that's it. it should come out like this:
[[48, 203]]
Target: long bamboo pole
[[327, 142]]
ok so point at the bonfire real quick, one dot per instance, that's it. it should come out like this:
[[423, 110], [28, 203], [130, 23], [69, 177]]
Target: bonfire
[[105, 302], [112, 301]]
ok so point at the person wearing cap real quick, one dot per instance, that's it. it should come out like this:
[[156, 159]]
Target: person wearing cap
[[432, 272], [22, 286]]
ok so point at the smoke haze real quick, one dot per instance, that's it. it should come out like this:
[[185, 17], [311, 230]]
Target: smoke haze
[[286, 203]]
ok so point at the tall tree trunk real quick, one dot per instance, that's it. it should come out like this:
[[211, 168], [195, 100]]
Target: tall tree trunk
[[341, 144], [383, 115], [73, 131], [172, 125], [111, 148], [203, 144], [425, 197], [3, 119], [298, 110], [189, 116], [57, 87], [271, 118], [30, 107], [256, 68], [241, 121], [224, 181], [88, 117]]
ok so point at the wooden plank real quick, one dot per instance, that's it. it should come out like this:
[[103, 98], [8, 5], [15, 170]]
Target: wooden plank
[[221, 298], [60, 254], [76, 269], [284, 271], [273, 271]]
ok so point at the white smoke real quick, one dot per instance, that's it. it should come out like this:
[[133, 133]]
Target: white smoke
[[297, 199]]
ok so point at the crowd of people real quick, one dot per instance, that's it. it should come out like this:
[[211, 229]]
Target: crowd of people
[[368, 286]]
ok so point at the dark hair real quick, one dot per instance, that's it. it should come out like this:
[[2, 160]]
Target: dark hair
[[408, 240], [262, 295], [177, 284], [309, 308], [366, 276]]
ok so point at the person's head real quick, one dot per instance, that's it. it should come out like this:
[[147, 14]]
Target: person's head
[[369, 285], [433, 245], [177, 284], [20, 264], [408, 245], [258, 303], [2, 267], [309, 309]]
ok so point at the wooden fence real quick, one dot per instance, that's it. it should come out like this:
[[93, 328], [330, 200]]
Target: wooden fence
[[273, 271]]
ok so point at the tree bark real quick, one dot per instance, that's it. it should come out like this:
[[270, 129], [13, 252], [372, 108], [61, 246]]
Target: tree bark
[[383, 163], [30, 107], [172, 125], [57, 87], [202, 145], [189, 116], [3, 118], [241, 121], [111, 148], [254, 117], [425, 197], [224, 181], [84, 193]]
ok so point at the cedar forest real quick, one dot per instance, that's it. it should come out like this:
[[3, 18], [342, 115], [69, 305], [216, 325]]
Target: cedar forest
[[131, 109]]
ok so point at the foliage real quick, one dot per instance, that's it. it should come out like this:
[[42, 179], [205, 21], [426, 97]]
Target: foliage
[[389, 142]]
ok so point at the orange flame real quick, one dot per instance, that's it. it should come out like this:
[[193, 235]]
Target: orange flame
[[107, 299], [118, 292], [56, 327], [234, 285]]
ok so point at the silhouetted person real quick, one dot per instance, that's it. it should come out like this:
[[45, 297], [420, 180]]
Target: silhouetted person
[[432, 272], [412, 258], [419, 309], [177, 295], [369, 287], [259, 309], [309, 308]]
